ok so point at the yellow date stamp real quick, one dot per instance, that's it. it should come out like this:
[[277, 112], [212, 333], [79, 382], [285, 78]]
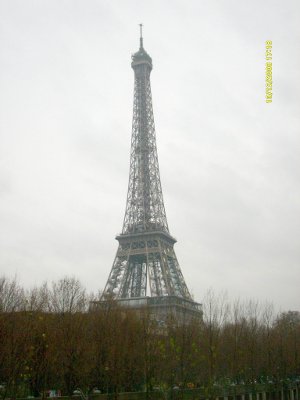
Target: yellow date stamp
[[269, 71]]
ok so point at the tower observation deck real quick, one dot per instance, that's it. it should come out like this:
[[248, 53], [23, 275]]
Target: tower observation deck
[[145, 271]]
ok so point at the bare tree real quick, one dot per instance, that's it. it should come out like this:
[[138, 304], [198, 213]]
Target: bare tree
[[287, 331], [252, 339], [215, 313], [232, 354], [11, 295], [67, 296], [268, 318], [37, 298]]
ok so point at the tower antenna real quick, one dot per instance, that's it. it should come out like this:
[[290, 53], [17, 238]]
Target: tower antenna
[[141, 36]]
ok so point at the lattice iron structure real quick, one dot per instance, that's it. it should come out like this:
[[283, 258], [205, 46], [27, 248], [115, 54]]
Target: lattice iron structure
[[145, 263]]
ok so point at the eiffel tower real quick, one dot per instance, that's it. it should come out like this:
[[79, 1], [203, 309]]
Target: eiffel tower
[[145, 270]]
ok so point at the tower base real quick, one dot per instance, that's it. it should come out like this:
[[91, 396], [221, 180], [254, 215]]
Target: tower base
[[162, 309]]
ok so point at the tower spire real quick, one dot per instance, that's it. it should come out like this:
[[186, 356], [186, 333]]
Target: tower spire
[[141, 36]]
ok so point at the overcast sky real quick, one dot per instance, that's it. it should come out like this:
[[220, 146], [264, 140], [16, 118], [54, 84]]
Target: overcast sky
[[229, 162]]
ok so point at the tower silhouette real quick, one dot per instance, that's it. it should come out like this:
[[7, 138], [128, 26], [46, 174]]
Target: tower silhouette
[[145, 266]]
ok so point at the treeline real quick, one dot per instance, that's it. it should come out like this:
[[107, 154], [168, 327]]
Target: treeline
[[50, 340]]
